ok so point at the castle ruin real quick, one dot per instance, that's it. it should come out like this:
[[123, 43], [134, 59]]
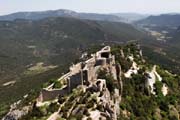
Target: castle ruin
[[83, 73]]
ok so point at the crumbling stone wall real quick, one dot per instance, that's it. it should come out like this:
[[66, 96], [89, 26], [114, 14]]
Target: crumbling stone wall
[[46, 95], [81, 73]]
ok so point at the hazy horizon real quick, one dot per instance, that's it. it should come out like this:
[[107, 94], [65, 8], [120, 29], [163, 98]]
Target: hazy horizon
[[92, 6]]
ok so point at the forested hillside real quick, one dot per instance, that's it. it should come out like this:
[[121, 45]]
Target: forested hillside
[[162, 20], [33, 52]]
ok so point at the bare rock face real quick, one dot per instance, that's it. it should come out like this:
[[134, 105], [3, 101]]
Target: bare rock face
[[16, 114], [122, 53]]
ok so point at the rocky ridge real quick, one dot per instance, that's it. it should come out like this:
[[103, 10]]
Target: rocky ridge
[[106, 86]]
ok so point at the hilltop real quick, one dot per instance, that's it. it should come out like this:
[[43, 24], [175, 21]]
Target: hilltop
[[114, 83], [32, 52], [35, 53]]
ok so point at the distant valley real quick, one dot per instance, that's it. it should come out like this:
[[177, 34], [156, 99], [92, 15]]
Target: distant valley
[[35, 51], [165, 29], [36, 47]]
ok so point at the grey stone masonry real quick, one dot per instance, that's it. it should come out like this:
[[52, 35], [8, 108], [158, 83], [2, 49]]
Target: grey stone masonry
[[82, 73]]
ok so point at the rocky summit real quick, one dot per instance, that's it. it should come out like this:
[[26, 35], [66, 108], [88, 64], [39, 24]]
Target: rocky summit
[[114, 83]]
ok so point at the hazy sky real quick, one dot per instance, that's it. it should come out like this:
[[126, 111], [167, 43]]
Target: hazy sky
[[96, 6]]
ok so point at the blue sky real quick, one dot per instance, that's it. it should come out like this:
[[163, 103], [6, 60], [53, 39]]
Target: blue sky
[[95, 6]]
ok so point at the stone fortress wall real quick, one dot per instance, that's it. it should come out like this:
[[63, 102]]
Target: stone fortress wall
[[82, 73]]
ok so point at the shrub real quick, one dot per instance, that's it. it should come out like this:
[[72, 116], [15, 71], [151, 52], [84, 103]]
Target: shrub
[[86, 112], [79, 116], [57, 85], [89, 118], [123, 106], [158, 86], [100, 107], [90, 104], [53, 107]]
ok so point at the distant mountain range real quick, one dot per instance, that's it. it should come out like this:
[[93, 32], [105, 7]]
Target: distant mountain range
[[162, 20], [131, 17], [112, 17], [61, 13]]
